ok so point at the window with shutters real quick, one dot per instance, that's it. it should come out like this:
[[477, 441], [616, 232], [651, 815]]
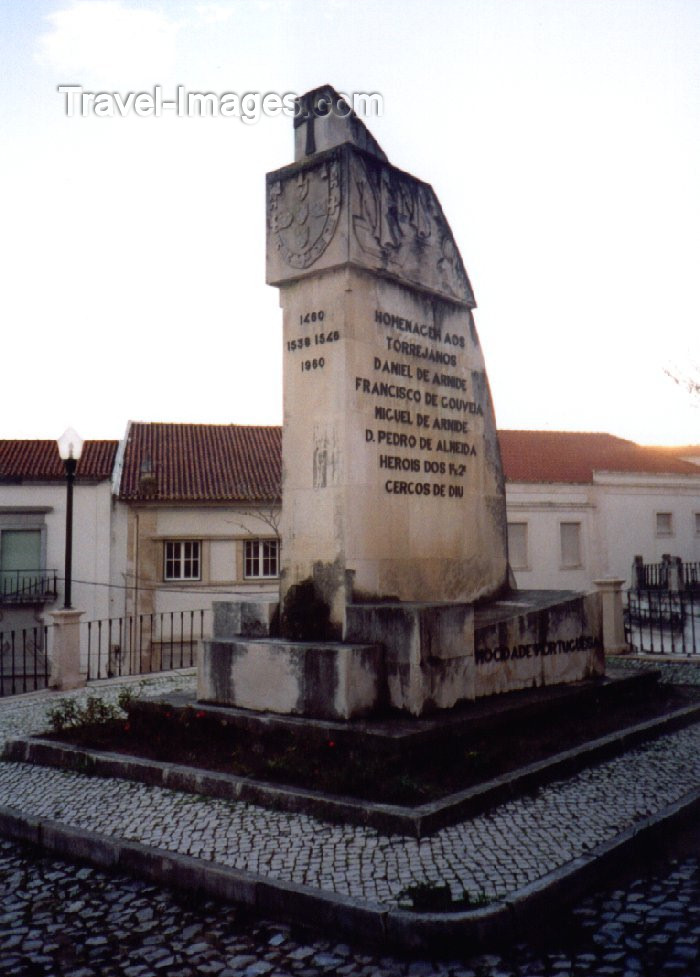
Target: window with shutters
[[570, 537]]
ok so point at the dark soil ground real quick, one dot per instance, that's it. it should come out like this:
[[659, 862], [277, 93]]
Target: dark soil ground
[[193, 737]]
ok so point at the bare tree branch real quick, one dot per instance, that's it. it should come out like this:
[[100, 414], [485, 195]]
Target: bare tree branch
[[269, 515], [689, 379]]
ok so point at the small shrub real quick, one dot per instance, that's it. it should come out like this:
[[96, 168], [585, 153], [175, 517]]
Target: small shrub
[[475, 902], [127, 696], [426, 897], [64, 715], [67, 714]]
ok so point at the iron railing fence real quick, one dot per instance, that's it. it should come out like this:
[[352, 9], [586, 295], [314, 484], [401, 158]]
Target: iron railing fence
[[663, 622], [27, 586], [24, 660], [670, 573], [132, 645], [138, 644], [691, 576]]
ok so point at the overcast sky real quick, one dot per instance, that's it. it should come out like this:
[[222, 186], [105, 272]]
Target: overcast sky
[[561, 136]]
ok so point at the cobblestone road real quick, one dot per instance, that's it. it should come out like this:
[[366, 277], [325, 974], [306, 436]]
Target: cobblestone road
[[59, 919]]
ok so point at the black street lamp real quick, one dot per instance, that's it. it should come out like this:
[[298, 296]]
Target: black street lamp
[[70, 446]]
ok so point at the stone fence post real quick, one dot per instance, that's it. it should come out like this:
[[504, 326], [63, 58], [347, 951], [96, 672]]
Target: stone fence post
[[613, 620], [675, 573], [638, 579], [65, 655]]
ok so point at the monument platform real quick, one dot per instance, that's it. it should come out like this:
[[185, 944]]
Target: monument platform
[[412, 657]]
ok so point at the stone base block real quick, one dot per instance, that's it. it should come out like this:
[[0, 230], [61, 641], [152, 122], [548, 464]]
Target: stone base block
[[252, 616], [429, 651], [322, 681], [537, 638]]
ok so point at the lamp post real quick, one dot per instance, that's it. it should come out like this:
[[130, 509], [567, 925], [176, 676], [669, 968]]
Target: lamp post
[[70, 446]]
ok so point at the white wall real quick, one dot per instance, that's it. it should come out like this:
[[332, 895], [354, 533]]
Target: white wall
[[629, 516]]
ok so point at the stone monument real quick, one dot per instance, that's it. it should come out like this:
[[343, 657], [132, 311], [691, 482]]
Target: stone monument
[[393, 501], [392, 480]]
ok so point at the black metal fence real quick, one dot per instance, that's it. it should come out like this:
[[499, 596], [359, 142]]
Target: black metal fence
[[138, 644], [662, 616], [672, 573], [24, 660]]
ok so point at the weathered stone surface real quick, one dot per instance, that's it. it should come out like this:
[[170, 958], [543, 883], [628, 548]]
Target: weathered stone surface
[[429, 650], [327, 680], [537, 638], [392, 481], [249, 617]]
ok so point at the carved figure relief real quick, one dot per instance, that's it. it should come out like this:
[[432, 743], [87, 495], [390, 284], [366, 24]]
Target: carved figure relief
[[391, 213], [303, 213], [399, 221]]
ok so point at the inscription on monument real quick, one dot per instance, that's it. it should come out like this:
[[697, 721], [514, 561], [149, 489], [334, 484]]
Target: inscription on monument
[[314, 342], [542, 649], [431, 404]]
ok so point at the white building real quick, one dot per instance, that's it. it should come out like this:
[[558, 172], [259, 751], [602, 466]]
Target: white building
[[33, 530], [196, 513], [582, 506]]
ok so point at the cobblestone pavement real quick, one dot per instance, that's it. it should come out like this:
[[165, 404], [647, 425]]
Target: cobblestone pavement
[[61, 920], [678, 671], [496, 853]]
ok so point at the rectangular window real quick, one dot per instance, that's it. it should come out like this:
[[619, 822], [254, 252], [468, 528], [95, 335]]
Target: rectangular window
[[517, 545], [20, 549], [697, 523], [20, 557], [261, 558], [182, 560], [664, 524], [570, 533]]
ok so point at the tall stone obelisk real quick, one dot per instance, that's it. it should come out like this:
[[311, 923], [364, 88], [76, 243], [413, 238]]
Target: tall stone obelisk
[[392, 481]]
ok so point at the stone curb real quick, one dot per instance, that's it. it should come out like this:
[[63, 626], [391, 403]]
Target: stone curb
[[438, 934], [419, 821]]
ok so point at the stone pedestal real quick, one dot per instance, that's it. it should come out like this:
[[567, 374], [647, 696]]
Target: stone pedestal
[[326, 681], [66, 672], [428, 651]]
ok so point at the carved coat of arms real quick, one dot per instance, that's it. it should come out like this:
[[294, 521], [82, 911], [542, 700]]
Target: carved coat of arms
[[303, 213]]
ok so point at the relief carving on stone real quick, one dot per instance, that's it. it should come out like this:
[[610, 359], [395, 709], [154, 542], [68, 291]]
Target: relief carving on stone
[[398, 221], [303, 213]]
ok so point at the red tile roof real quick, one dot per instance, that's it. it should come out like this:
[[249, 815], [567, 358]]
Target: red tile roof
[[565, 456], [39, 461], [237, 463], [202, 463]]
